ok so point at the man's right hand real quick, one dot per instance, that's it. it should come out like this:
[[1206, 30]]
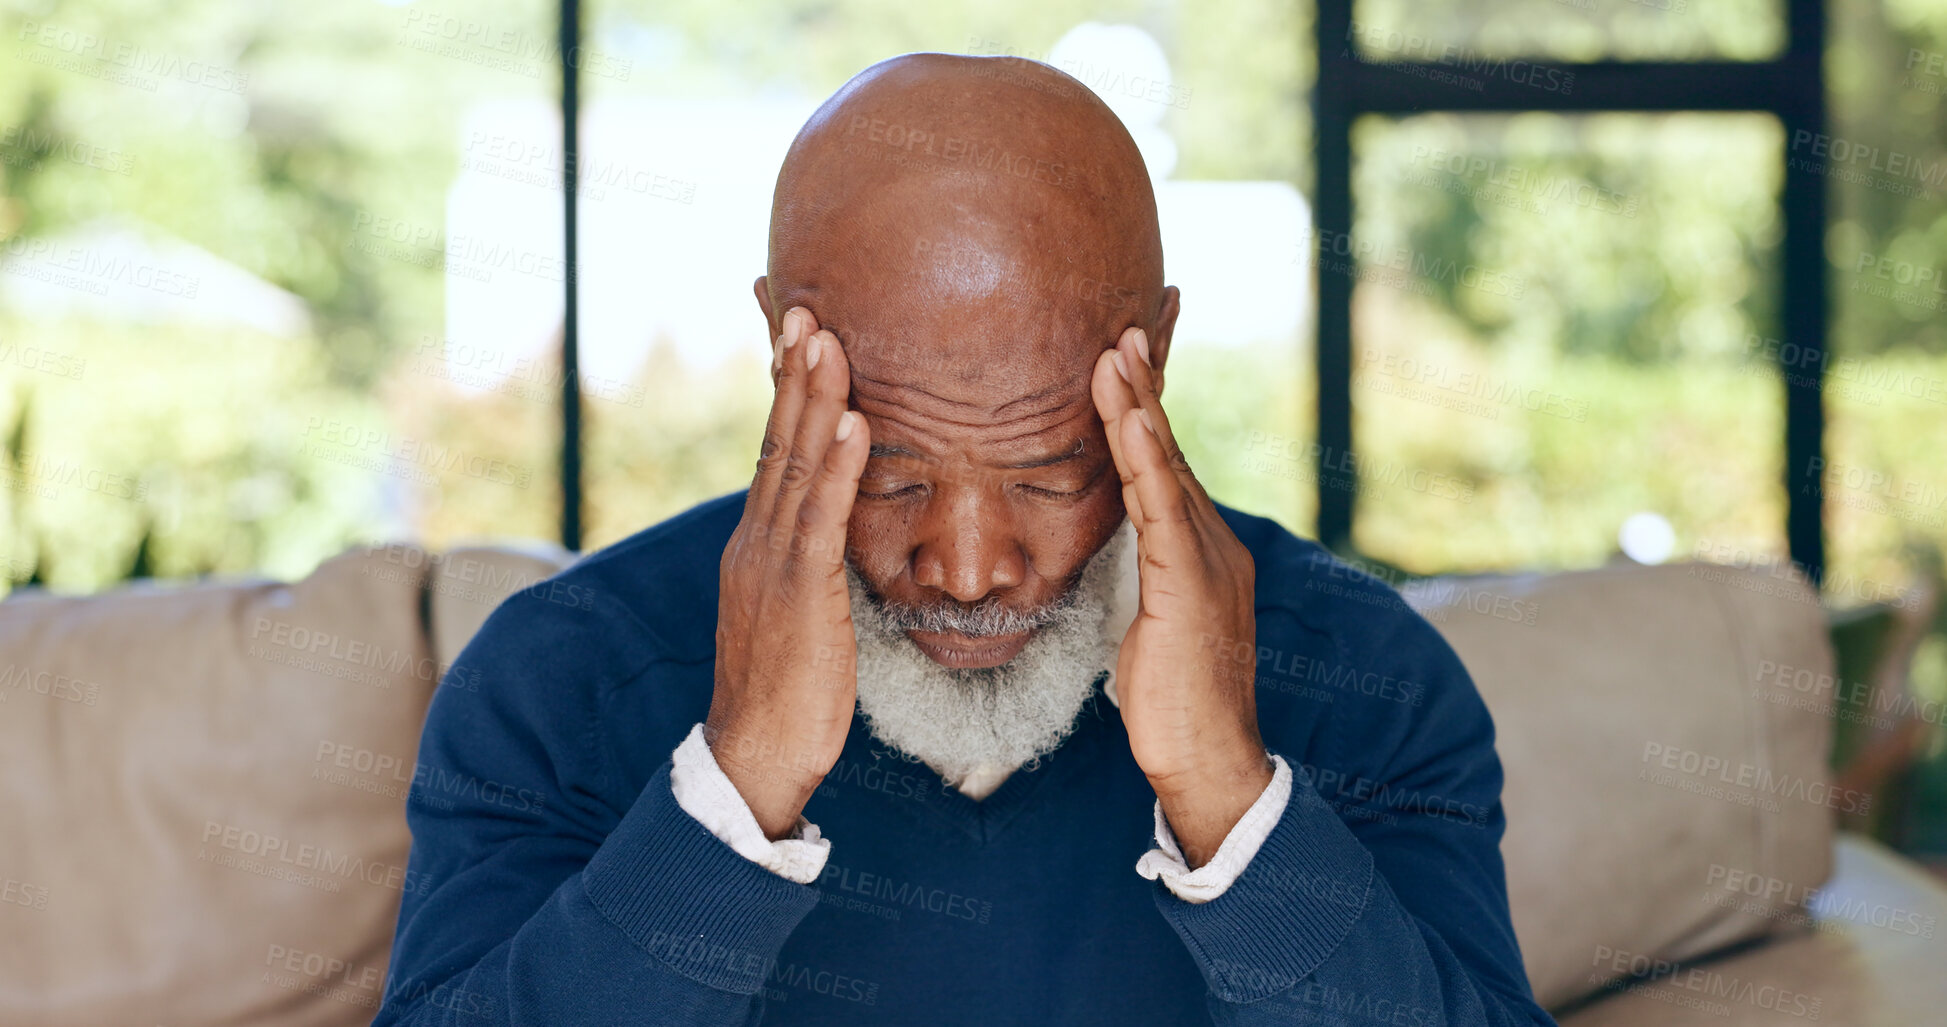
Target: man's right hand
[[787, 675]]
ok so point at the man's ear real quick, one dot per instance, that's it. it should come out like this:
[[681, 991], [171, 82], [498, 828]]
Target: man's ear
[[762, 289], [1159, 339]]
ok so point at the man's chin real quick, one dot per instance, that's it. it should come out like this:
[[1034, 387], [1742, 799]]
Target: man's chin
[[956, 651]]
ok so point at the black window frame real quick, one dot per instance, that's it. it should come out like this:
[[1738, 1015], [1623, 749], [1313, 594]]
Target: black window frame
[[1791, 87]]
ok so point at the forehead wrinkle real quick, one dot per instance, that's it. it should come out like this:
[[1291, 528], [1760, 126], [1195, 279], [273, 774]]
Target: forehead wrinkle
[[928, 434], [994, 416]]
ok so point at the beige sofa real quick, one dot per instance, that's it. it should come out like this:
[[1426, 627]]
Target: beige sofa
[[202, 789]]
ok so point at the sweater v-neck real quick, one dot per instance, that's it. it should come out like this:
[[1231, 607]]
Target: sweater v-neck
[[984, 820]]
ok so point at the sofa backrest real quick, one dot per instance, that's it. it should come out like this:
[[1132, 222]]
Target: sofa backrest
[[1664, 752], [203, 788], [202, 795]]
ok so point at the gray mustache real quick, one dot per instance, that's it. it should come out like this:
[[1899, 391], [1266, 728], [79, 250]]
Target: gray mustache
[[984, 619]]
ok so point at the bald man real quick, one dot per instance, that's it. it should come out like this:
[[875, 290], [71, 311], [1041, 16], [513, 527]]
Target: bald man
[[975, 708]]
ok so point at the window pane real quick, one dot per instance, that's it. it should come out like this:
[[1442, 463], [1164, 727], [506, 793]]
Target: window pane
[[231, 250], [1462, 35], [1557, 332], [1885, 170], [1216, 94]]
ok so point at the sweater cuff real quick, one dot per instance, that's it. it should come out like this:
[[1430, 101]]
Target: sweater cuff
[[1166, 862], [705, 793], [687, 899], [1286, 912]]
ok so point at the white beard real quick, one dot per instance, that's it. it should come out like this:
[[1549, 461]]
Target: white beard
[[975, 726]]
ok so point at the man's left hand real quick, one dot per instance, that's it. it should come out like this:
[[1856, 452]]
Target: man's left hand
[[1185, 677]]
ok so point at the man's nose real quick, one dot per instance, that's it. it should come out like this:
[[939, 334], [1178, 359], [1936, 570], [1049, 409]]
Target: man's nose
[[967, 548]]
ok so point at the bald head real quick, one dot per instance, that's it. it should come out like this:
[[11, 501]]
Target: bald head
[[975, 231], [978, 228]]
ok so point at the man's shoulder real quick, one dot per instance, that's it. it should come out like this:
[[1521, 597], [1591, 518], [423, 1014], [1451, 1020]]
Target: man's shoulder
[[1322, 591], [652, 595], [1334, 640]]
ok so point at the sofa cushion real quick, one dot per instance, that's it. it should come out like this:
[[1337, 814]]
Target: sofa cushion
[[1655, 762], [1869, 955], [468, 582], [204, 791]]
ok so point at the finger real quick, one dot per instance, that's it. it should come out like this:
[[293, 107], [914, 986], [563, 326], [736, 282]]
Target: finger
[[797, 324], [1168, 524], [1114, 401], [827, 506], [827, 382], [1134, 346], [785, 408]]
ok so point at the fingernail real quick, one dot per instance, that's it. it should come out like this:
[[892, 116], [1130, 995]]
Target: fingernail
[[1121, 366], [844, 427], [817, 350], [1143, 415], [793, 327], [1142, 347]]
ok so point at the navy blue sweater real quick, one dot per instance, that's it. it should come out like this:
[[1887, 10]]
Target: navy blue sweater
[[568, 888]]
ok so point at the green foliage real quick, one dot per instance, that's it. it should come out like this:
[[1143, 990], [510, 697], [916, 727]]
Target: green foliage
[[1641, 323]]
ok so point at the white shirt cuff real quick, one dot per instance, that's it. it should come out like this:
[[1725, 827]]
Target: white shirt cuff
[[708, 796], [1240, 845]]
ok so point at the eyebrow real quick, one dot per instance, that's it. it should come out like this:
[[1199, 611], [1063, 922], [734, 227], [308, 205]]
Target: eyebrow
[[1029, 464]]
